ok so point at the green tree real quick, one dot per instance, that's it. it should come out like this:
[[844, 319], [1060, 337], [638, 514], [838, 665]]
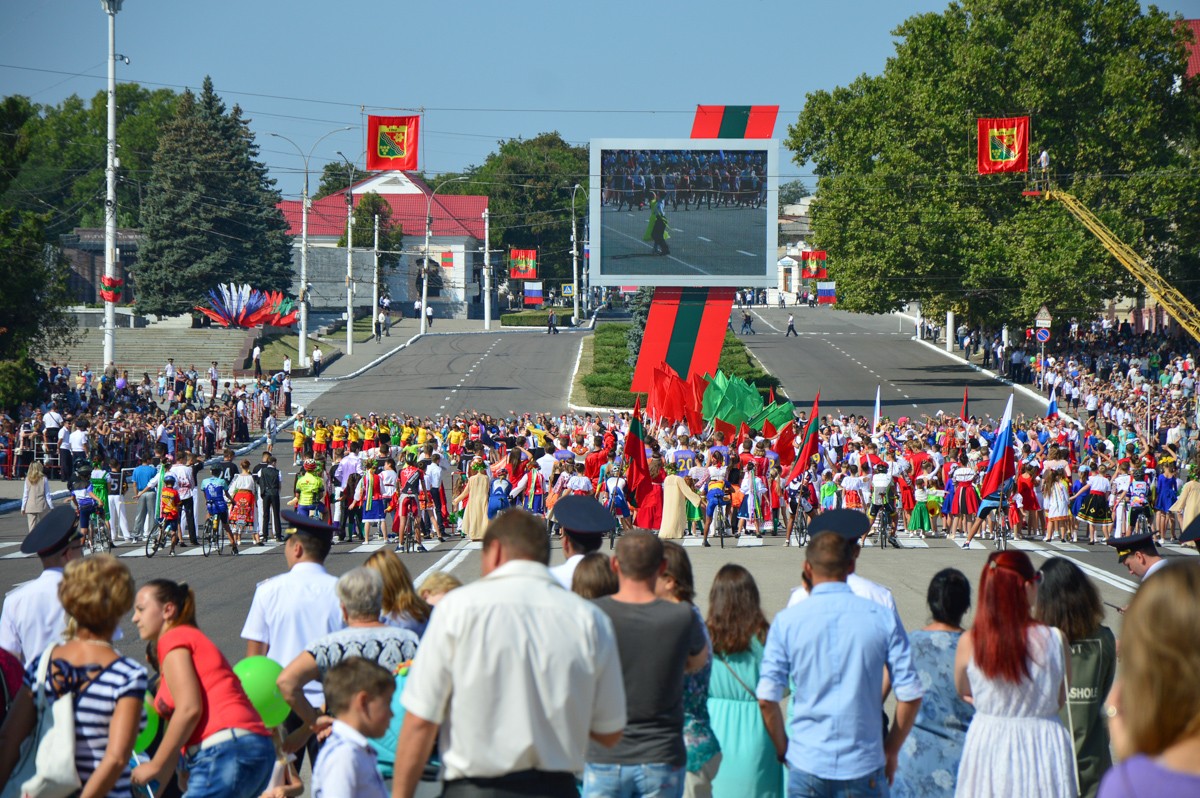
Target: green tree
[[62, 158], [210, 213], [391, 235], [336, 176], [32, 316], [792, 192], [902, 212], [528, 183]]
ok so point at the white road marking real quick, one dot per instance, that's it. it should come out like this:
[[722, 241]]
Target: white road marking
[[367, 548], [1066, 546], [1175, 548], [764, 321], [692, 542], [1097, 573], [748, 254], [437, 566], [702, 238], [912, 543], [746, 541]]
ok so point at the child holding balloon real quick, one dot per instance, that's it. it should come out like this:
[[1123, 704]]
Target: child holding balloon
[[226, 748]]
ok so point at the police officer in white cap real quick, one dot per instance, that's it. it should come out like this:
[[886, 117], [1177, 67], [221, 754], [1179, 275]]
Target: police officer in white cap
[[584, 522], [33, 615]]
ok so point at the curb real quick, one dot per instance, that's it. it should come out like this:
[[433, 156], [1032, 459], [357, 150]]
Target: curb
[[1026, 392], [12, 505]]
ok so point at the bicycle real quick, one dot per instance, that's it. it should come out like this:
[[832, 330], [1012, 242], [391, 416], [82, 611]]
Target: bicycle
[[720, 523], [212, 537], [101, 536], [882, 523], [159, 538], [408, 543], [1005, 530]]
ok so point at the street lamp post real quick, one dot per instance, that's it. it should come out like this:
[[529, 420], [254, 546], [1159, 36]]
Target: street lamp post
[[305, 202], [425, 265], [349, 256], [574, 258], [111, 7]]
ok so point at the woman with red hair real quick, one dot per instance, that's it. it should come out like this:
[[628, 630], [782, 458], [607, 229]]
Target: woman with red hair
[[1015, 671]]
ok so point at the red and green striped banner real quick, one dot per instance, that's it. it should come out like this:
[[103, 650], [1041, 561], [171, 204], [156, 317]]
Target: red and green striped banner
[[685, 329], [734, 121], [447, 260]]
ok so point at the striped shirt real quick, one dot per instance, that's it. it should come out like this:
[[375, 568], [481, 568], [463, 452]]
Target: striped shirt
[[95, 702]]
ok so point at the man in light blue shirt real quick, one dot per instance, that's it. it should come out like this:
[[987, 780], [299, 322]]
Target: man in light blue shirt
[[833, 648]]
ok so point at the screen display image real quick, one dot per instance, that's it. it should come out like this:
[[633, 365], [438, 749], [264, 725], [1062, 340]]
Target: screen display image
[[684, 212]]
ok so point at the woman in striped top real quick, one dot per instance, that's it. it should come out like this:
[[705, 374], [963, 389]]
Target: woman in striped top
[[108, 688]]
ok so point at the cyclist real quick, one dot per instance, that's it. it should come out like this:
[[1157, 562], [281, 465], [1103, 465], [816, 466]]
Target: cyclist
[[715, 495], [309, 488], [99, 483], [215, 492], [85, 502], [168, 506], [1139, 498], [411, 483], [883, 500]]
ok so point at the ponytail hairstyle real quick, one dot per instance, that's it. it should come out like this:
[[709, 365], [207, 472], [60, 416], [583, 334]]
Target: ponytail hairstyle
[[1001, 649], [179, 594]]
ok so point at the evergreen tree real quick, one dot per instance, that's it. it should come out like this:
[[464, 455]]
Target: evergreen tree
[[210, 212]]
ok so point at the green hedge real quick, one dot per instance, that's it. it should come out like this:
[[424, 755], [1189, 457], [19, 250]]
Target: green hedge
[[608, 383], [532, 318]]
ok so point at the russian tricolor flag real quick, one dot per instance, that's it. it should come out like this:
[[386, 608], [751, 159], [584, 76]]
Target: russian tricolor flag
[[827, 293], [533, 292], [1003, 464], [1052, 410]]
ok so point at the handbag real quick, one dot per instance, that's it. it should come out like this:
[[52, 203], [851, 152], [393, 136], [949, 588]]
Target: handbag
[[1061, 640], [46, 768]]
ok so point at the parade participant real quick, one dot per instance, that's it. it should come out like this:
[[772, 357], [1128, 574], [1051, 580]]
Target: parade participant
[[883, 500], [715, 494], [530, 491], [679, 500], [1138, 554], [216, 491], [86, 504], [242, 493], [410, 484], [612, 492], [33, 616], [584, 522], [368, 498], [293, 609], [474, 500], [964, 501], [309, 488], [1095, 508]]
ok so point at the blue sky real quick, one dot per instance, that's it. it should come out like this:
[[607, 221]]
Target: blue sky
[[482, 70]]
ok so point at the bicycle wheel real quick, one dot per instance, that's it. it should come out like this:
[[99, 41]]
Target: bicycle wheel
[[206, 539], [153, 540], [101, 542], [1002, 535]]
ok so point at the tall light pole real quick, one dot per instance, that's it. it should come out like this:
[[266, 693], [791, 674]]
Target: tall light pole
[[428, 226], [487, 275], [349, 256], [574, 258], [111, 7], [305, 202]]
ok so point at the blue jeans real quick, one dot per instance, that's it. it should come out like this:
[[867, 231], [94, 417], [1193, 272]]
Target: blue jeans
[[238, 768], [806, 785], [652, 780]]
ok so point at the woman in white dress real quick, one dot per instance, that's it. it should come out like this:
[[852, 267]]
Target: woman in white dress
[[1014, 670]]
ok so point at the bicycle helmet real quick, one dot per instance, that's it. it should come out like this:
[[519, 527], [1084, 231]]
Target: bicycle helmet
[[169, 480], [881, 468]]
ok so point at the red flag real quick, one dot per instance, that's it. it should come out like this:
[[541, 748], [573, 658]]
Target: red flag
[[771, 394], [743, 431], [963, 413], [522, 264], [727, 429], [637, 470], [392, 142], [811, 439], [1003, 145], [785, 444]]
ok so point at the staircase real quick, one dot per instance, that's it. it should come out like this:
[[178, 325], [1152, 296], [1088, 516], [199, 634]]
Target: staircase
[[146, 349]]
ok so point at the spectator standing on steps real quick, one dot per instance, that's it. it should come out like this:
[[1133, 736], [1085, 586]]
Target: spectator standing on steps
[[257, 356], [316, 361]]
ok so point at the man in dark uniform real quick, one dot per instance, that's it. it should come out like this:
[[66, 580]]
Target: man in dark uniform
[[585, 522], [1137, 553]]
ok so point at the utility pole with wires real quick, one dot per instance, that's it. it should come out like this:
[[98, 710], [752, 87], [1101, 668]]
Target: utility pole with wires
[[375, 287]]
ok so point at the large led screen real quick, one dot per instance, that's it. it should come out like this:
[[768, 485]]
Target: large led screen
[[684, 212]]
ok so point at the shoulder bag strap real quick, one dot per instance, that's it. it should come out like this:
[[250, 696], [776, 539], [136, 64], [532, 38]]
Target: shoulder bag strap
[[42, 673], [1061, 642], [737, 678]]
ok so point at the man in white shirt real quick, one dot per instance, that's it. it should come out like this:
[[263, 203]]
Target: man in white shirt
[[554, 685], [546, 462], [291, 610], [256, 356], [287, 366], [33, 617]]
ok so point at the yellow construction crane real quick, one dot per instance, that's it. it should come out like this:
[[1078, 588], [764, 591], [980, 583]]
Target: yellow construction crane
[[1175, 303]]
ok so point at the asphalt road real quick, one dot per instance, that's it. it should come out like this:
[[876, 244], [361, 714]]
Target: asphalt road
[[835, 351], [717, 241]]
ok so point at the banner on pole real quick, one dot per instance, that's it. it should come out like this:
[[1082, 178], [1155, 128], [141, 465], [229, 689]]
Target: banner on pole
[[522, 264], [827, 293], [392, 142], [1003, 145], [533, 292]]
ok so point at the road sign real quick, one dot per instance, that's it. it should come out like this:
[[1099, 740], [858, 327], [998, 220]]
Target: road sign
[[1043, 335], [1043, 319], [568, 290]]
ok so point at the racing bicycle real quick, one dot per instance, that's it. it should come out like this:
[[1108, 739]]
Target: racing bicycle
[[211, 538], [101, 535], [159, 538]]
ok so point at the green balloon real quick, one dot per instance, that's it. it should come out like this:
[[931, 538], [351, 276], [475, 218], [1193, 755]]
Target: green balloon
[[151, 731], [258, 675]]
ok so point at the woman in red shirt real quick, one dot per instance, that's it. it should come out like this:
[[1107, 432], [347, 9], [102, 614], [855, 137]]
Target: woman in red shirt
[[226, 748]]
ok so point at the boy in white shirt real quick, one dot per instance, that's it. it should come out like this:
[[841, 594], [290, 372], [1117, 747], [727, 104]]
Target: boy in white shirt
[[358, 694]]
